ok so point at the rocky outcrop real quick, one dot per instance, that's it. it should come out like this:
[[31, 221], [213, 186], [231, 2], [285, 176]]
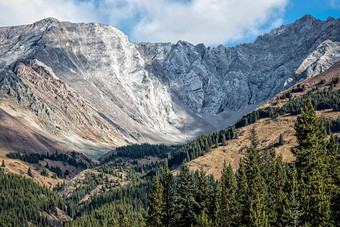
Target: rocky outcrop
[[163, 92]]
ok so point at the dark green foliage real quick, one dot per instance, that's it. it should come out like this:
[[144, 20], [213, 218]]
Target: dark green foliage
[[156, 211], [70, 158], [167, 182], [299, 88], [242, 197], [335, 81], [201, 145], [226, 211], [292, 212], [281, 141], [185, 201], [312, 163], [257, 193], [22, 201], [44, 173], [323, 81], [138, 151], [29, 172], [3, 163]]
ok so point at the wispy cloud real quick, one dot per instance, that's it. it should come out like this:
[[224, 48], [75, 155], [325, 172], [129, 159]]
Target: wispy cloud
[[17, 12], [208, 21], [334, 4]]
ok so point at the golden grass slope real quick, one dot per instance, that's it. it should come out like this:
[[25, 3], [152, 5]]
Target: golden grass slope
[[268, 131]]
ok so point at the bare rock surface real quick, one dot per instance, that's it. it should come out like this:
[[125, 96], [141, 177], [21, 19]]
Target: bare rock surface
[[156, 92]]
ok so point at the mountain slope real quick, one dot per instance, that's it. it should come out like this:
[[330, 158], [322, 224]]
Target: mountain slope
[[269, 129], [162, 92]]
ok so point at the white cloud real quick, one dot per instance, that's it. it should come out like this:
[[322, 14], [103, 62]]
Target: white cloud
[[335, 4], [17, 12], [208, 21]]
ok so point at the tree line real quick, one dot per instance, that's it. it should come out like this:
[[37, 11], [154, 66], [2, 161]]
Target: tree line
[[264, 191], [321, 100]]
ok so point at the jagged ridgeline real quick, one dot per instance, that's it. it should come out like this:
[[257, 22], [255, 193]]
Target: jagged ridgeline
[[321, 100]]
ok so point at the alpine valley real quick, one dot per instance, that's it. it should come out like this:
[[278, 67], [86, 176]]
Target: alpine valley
[[89, 120]]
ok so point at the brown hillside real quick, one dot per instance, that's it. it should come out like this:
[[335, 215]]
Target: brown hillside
[[268, 131], [21, 168]]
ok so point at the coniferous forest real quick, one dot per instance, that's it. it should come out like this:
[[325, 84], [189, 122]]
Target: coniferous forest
[[263, 191]]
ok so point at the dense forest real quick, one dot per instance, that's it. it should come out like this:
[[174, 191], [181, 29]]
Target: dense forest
[[264, 191], [22, 201]]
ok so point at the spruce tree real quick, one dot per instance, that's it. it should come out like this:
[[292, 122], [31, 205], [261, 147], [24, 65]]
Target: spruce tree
[[224, 142], [3, 163], [292, 209], [203, 220], [257, 197], [334, 173], [167, 182], [156, 205], [185, 202], [242, 197], [277, 194], [311, 163], [281, 141], [226, 201], [202, 193], [29, 172]]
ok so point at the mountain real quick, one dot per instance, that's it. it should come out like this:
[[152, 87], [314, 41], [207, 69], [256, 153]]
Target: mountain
[[269, 129], [94, 90]]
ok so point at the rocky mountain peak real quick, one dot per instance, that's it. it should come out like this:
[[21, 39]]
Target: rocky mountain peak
[[167, 93]]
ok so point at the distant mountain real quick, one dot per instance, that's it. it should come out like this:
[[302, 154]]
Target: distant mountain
[[87, 83]]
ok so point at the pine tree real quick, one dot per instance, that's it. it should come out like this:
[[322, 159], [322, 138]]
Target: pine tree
[[277, 195], [29, 172], [168, 196], [281, 141], [3, 163], [334, 173], [123, 219], [292, 210], [242, 197], [216, 143], [311, 163], [226, 202], [156, 205], [224, 142], [185, 202], [201, 193], [257, 187], [203, 220]]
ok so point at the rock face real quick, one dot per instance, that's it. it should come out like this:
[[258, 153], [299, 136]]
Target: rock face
[[163, 92]]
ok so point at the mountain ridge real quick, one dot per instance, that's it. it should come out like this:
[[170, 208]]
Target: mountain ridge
[[170, 93]]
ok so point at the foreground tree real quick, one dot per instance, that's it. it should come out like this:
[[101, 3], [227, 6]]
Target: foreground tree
[[185, 201], [257, 193], [312, 163], [156, 205], [226, 198], [168, 196]]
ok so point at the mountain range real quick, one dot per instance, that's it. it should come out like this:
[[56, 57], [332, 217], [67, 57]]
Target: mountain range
[[86, 87]]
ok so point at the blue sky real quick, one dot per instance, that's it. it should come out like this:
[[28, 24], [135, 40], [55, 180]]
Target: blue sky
[[211, 22]]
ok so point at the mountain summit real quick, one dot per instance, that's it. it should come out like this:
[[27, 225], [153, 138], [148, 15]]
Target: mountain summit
[[153, 92]]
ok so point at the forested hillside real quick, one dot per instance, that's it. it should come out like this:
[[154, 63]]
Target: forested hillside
[[263, 192]]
